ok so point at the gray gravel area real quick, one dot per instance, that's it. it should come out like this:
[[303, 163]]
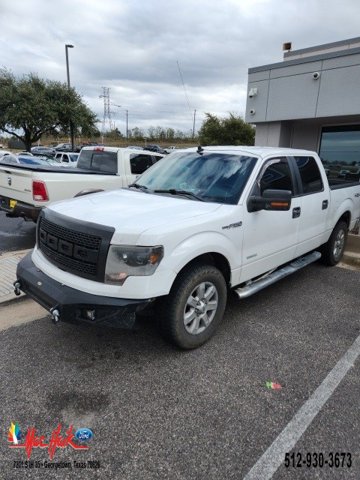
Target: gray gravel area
[[159, 413]]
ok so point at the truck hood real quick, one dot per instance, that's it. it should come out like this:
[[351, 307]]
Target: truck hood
[[131, 213]]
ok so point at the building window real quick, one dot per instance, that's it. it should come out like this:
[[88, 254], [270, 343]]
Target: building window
[[340, 153]]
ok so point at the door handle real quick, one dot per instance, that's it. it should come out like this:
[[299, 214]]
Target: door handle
[[357, 195], [296, 212], [325, 204]]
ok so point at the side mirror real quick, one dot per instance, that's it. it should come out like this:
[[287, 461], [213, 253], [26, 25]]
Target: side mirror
[[270, 200]]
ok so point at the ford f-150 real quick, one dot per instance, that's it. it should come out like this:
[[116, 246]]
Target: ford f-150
[[198, 223]]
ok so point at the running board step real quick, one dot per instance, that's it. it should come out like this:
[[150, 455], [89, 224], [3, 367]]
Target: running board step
[[263, 282]]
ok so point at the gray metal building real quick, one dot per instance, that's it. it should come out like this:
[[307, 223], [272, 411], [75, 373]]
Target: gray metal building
[[311, 100]]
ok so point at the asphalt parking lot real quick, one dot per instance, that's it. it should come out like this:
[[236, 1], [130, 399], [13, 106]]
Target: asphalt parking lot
[[157, 412]]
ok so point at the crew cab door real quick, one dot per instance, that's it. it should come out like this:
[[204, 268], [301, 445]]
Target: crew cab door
[[314, 197], [270, 237]]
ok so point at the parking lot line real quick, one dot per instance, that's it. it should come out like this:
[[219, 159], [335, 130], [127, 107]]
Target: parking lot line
[[274, 456]]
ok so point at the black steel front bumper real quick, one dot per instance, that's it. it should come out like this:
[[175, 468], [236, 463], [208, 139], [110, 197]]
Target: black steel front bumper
[[74, 305]]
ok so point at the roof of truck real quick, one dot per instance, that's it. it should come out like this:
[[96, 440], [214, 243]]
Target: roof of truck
[[258, 151], [116, 149]]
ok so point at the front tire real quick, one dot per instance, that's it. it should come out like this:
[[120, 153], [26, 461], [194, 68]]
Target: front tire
[[194, 308], [333, 250]]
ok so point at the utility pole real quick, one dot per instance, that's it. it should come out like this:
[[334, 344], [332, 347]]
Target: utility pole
[[107, 111], [193, 132]]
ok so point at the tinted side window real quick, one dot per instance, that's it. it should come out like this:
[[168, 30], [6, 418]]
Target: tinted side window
[[277, 176], [310, 174], [156, 158], [140, 163]]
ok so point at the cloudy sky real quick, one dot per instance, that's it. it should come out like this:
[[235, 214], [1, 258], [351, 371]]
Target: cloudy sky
[[143, 49]]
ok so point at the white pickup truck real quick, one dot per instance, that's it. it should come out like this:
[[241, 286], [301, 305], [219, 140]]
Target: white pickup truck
[[25, 190], [198, 223]]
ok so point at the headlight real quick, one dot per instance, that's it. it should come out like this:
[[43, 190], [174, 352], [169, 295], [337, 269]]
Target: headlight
[[125, 261]]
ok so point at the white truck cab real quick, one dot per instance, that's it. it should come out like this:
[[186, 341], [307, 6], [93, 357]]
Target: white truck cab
[[198, 223]]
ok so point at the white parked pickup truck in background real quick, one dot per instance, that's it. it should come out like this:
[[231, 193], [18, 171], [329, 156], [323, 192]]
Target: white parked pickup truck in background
[[200, 222], [68, 159], [25, 190]]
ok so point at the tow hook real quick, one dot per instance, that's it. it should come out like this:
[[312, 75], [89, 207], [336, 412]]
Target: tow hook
[[17, 286], [55, 315]]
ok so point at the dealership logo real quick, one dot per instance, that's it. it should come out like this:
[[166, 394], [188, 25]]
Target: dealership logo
[[14, 435], [84, 434], [33, 440]]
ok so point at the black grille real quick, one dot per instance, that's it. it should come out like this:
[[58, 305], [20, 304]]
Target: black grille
[[70, 263], [69, 245], [84, 239]]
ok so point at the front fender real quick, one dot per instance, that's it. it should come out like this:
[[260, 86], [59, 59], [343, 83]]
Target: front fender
[[203, 243]]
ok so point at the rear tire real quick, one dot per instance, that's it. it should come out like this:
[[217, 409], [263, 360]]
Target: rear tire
[[194, 308], [333, 250]]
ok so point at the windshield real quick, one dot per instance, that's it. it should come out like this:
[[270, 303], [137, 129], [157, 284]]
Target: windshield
[[212, 177]]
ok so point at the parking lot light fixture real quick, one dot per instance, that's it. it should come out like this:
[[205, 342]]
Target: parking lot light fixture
[[67, 46]]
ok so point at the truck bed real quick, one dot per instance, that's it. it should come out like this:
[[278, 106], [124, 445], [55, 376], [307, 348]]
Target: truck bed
[[54, 169], [336, 183]]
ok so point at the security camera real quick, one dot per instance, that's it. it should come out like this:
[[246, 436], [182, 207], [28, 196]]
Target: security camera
[[253, 92], [252, 111], [316, 75]]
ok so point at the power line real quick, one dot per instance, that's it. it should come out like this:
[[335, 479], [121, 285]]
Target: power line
[[176, 112], [183, 84], [187, 98]]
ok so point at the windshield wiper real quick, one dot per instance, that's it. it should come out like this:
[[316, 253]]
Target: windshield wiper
[[140, 187], [173, 191]]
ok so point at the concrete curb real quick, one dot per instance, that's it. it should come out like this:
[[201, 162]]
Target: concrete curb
[[353, 243], [352, 252], [8, 264], [351, 258]]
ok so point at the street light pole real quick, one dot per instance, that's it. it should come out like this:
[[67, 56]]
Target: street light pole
[[127, 124], [67, 46], [193, 131]]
